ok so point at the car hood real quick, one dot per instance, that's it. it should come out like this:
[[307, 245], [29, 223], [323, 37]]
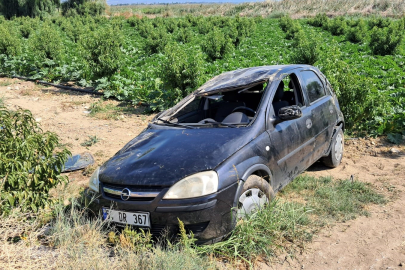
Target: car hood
[[161, 157]]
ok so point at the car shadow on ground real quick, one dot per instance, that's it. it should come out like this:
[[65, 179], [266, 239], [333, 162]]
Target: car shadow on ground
[[317, 166]]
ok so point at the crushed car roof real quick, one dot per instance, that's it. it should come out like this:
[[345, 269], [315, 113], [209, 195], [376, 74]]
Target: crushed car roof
[[240, 78]]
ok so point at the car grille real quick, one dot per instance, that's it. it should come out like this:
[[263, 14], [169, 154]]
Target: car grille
[[196, 228], [137, 193]]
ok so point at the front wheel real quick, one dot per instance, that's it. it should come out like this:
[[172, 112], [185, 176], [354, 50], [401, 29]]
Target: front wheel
[[256, 193], [336, 152]]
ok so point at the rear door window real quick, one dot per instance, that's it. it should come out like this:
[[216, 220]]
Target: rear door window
[[313, 85]]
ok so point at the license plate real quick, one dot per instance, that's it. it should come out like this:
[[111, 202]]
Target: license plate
[[140, 219]]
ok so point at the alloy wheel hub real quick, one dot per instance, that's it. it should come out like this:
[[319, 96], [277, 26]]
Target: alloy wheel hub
[[339, 146], [250, 201]]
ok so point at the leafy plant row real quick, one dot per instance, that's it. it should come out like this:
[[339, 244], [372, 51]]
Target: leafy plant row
[[151, 61], [382, 34], [159, 61]]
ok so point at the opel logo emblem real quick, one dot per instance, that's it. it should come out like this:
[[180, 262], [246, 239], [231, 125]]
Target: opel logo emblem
[[125, 194]]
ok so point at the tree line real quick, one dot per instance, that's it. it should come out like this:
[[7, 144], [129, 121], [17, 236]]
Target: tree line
[[44, 8]]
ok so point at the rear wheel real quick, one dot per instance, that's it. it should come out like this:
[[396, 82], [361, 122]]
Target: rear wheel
[[256, 193], [336, 152]]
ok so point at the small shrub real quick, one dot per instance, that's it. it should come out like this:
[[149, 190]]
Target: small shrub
[[337, 26], [83, 7], [358, 33], [379, 22], [133, 21], [10, 43], [320, 20], [245, 28], [74, 29], [289, 26], [102, 51], [204, 27], [171, 25], [305, 49], [182, 71], [46, 43], [184, 35], [29, 165], [158, 38], [183, 67], [216, 45], [230, 30], [384, 41], [145, 27], [26, 28]]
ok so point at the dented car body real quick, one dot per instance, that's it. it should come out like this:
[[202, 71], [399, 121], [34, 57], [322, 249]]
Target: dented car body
[[223, 151]]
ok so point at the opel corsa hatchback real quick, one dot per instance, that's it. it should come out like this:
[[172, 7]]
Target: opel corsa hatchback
[[222, 152]]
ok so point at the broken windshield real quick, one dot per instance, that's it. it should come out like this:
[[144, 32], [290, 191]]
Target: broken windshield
[[231, 108]]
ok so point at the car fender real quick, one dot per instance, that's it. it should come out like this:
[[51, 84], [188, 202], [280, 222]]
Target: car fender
[[242, 171], [249, 172]]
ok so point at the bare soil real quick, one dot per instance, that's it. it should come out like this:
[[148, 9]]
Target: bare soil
[[373, 242]]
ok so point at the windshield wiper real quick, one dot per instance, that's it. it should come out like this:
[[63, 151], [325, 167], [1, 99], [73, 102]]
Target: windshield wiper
[[174, 124], [223, 124]]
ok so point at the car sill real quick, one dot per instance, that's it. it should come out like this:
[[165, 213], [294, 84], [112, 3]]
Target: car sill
[[295, 151]]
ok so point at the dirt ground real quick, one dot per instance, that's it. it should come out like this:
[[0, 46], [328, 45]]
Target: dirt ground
[[374, 242]]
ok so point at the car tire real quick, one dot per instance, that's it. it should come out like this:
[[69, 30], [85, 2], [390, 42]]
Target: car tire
[[256, 193], [336, 151]]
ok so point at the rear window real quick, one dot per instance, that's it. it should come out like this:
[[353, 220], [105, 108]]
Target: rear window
[[313, 85]]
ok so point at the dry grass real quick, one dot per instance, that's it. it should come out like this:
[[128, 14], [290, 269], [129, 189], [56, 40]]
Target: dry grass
[[300, 8], [74, 240], [68, 235]]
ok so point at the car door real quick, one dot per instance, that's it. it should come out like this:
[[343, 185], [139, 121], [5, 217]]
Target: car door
[[322, 111], [292, 141]]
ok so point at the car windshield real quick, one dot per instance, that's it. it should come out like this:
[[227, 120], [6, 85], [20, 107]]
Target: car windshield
[[220, 109]]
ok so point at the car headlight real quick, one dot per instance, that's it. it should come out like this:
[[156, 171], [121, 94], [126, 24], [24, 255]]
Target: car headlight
[[94, 184], [196, 185]]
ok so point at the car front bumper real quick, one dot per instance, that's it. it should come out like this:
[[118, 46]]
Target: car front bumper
[[209, 217]]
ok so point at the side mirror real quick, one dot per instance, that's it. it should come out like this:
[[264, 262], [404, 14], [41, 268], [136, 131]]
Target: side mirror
[[290, 113]]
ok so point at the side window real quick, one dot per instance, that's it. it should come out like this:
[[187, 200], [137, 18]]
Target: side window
[[313, 85], [292, 91]]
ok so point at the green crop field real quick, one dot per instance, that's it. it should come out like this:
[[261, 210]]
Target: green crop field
[[158, 61], [156, 58]]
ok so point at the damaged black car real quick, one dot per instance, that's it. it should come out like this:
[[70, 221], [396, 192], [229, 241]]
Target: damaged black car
[[223, 152]]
